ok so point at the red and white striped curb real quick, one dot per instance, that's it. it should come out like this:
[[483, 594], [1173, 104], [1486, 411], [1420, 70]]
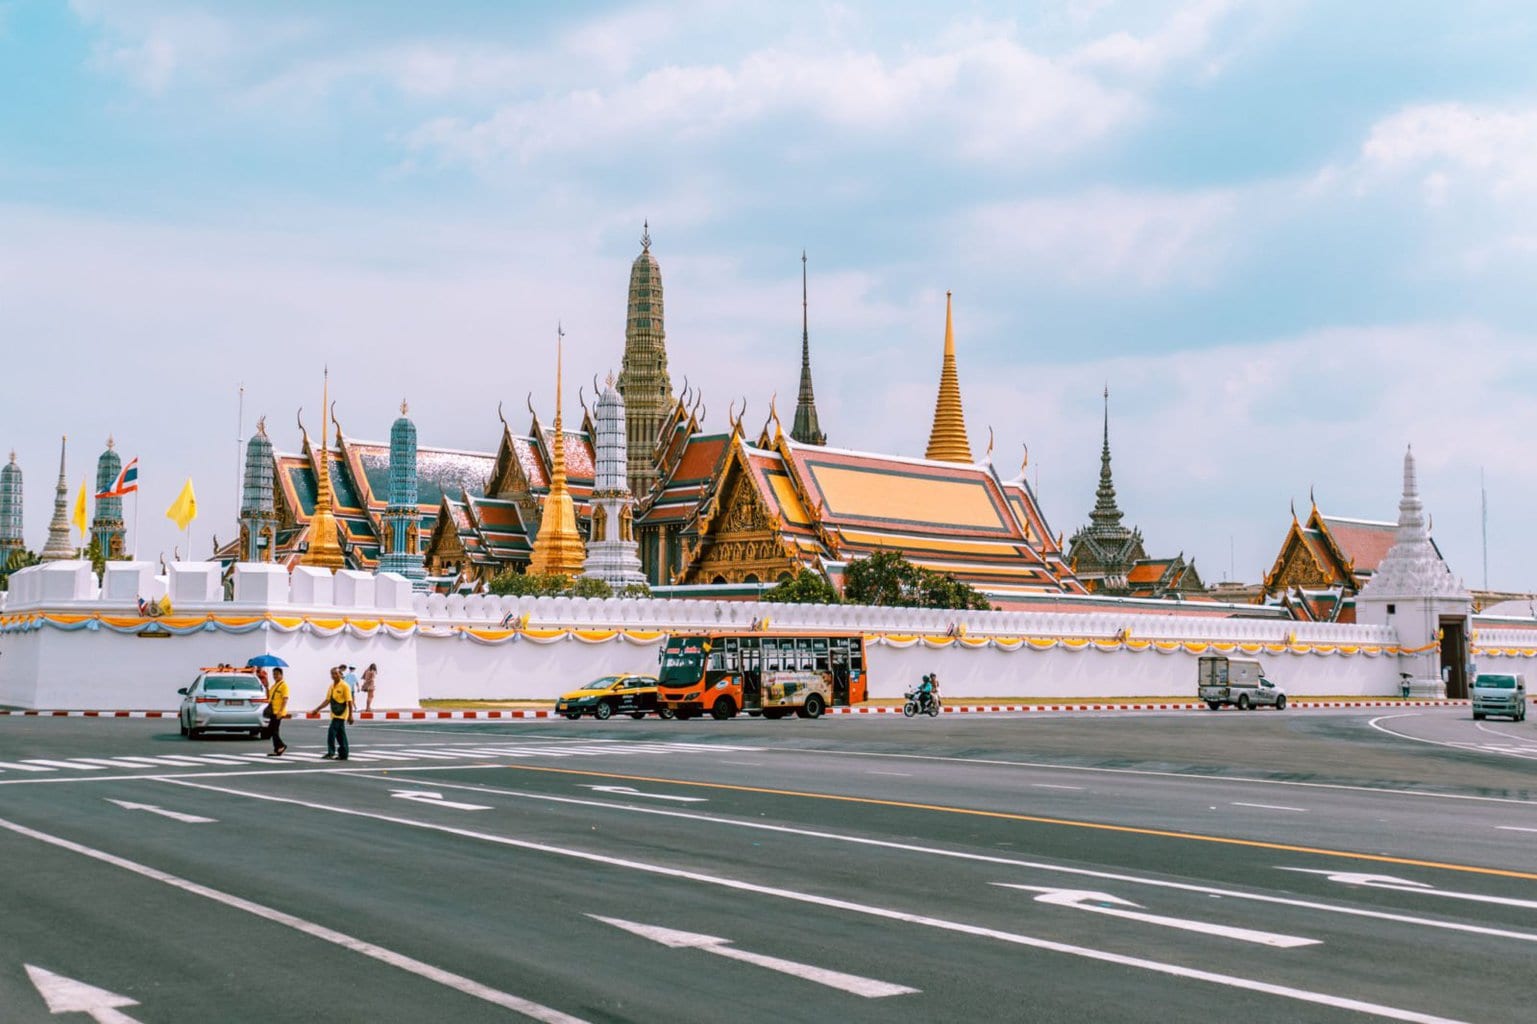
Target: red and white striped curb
[[950, 709], [977, 709]]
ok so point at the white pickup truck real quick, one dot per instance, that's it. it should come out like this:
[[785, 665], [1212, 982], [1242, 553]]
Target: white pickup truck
[[1240, 682]]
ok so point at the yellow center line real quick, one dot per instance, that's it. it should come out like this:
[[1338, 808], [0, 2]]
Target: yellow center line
[[1260, 844]]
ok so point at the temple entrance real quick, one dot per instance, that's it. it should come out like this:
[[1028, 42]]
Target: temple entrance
[[1454, 656]]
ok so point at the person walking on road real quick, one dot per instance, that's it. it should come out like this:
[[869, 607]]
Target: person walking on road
[[340, 699], [369, 675], [277, 710]]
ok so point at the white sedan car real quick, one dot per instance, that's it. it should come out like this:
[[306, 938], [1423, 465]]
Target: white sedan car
[[222, 700]]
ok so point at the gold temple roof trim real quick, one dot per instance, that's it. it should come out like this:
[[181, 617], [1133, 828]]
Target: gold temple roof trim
[[947, 438]]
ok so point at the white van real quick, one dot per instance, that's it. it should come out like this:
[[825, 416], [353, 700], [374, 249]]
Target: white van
[[1499, 693]]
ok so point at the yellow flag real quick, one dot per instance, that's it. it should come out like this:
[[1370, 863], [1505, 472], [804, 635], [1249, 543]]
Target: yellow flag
[[79, 517], [184, 509]]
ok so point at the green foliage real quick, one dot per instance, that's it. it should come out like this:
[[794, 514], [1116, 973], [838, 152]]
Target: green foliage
[[92, 553], [888, 579], [19, 559], [805, 587], [635, 590], [533, 584]]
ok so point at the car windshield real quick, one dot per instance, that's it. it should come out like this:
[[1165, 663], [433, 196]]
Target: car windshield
[[245, 684], [1496, 682], [683, 660], [606, 683]]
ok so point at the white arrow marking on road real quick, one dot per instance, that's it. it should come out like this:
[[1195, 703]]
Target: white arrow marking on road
[[870, 988], [1409, 885], [190, 819], [1085, 899], [66, 995], [423, 796], [632, 791]]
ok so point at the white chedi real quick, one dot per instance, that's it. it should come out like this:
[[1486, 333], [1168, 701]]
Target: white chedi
[[612, 554]]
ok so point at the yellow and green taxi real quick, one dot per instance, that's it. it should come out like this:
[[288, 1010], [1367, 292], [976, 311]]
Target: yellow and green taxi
[[625, 694]]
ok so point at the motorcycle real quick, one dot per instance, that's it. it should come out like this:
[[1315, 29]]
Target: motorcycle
[[916, 701]]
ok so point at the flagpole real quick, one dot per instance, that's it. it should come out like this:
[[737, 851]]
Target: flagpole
[[135, 524]]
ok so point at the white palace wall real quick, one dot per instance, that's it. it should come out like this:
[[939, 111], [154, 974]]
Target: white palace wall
[[68, 642]]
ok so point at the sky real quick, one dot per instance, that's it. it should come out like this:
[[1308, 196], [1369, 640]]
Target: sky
[[1291, 238]]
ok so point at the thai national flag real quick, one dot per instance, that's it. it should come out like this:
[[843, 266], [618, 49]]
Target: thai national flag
[[126, 483]]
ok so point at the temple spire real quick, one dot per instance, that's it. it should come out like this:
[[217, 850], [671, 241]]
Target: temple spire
[[806, 429], [643, 380], [947, 439], [59, 547], [11, 538], [1106, 514], [558, 548], [324, 552]]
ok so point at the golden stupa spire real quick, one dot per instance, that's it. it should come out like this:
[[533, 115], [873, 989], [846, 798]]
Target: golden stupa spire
[[324, 552], [558, 548], [947, 439]]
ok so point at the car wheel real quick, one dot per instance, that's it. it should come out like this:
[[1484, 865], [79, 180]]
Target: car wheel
[[666, 714], [603, 711], [1215, 705], [637, 715], [1243, 702], [573, 715], [723, 709], [1280, 702], [194, 734], [182, 722], [813, 707]]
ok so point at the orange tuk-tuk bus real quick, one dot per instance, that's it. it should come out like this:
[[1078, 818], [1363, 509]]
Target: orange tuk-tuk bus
[[724, 672]]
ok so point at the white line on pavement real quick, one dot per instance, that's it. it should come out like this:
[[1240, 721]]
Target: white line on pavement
[[1188, 777], [869, 910], [459, 983], [1375, 724], [981, 858], [14, 766], [1271, 807], [1051, 785], [64, 764], [905, 775], [1515, 828]]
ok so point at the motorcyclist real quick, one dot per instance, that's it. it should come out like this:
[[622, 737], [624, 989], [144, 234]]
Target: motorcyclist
[[928, 690]]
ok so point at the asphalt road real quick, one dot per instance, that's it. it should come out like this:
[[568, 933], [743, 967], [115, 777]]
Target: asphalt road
[[1310, 866]]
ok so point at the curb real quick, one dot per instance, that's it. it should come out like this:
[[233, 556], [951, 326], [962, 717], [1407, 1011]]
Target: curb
[[951, 709]]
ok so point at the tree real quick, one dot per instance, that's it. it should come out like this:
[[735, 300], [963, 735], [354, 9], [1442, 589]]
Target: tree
[[888, 579], [805, 587], [533, 584], [18, 560], [635, 590]]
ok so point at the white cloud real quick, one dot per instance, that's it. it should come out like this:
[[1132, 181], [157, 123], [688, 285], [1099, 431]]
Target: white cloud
[[1455, 146], [1089, 239], [1187, 34]]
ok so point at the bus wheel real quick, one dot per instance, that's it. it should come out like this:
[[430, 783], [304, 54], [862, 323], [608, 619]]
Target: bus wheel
[[723, 709], [812, 708], [683, 716]]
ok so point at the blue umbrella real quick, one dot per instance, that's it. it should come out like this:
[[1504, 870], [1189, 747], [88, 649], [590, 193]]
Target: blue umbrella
[[266, 661]]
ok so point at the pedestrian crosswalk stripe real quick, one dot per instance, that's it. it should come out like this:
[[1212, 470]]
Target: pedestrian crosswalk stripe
[[11, 766], [64, 764]]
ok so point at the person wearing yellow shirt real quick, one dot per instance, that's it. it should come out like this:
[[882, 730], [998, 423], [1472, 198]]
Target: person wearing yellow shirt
[[277, 708], [340, 699]]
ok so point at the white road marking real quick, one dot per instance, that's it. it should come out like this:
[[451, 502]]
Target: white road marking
[[190, 819], [1271, 807], [1374, 723], [1408, 885], [748, 764], [866, 909], [1515, 828], [1051, 785], [436, 800], [870, 988], [983, 858], [905, 775], [632, 791], [1185, 776], [66, 995], [1114, 906], [459, 983], [64, 764], [14, 766]]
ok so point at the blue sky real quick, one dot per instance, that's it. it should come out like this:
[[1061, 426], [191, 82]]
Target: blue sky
[[1292, 237]]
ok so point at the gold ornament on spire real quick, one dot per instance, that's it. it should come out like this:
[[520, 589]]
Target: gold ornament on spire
[[324, 552], [947, 439], [558, 548]]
